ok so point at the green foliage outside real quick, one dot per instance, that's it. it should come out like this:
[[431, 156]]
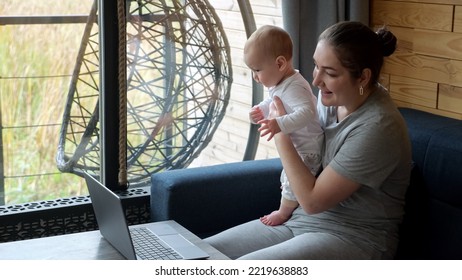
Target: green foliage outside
[[35, 71]]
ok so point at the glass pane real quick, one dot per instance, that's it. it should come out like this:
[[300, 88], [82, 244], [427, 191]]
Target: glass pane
[[37, 65], [35, 75]]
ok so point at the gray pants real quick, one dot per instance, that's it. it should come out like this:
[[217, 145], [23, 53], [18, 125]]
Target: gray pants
[[256, 241]]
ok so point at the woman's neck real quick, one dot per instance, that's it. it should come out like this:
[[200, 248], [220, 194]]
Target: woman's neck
[[346, 110]]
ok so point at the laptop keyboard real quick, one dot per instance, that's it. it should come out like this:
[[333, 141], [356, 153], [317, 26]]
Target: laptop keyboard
[[149, 247]]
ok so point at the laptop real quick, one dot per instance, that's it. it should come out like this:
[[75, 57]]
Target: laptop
[[163, 241]]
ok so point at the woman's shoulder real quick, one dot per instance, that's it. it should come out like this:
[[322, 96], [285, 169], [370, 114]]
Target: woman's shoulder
[[380, 117], [380, 105]]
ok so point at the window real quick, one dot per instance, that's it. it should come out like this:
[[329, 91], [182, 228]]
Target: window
[[37, 63]]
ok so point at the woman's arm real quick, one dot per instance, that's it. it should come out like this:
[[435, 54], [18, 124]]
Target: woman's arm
[[314, 195]]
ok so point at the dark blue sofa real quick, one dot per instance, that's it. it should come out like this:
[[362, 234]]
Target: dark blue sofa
[[207, 200]]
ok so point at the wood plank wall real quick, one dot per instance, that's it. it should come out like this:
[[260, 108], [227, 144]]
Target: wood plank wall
[[426, 70], [424, 73]]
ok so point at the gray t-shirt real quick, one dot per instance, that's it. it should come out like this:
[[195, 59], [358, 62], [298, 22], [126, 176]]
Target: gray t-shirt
[[371, 147]]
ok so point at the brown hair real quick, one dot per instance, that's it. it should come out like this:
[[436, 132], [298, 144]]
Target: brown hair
[[272, 41], [358, 47]]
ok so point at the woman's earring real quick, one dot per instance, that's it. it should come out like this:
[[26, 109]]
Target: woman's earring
[[361, 90]]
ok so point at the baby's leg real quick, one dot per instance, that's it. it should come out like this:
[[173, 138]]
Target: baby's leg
[[286, 207]]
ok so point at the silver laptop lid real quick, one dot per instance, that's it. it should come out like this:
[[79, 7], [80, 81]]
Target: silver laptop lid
[[110, 217]]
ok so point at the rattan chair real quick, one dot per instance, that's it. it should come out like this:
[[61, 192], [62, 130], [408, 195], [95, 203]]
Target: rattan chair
[[179, 78]]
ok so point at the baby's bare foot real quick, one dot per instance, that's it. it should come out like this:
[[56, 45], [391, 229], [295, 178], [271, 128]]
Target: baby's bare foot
[[274, 219]]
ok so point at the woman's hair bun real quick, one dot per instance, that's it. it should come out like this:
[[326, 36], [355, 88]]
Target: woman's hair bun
[[387, 40]]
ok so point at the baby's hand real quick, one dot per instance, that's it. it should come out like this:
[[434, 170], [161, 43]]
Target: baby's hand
[[256, 114], [270, 127]]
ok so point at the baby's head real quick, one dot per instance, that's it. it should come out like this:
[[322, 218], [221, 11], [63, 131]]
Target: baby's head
[[268, 53], [269, 42]]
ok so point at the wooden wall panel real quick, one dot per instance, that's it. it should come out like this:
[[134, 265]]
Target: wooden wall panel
[[439, 44], [458, 19], [429, 68], [427, 16], [429, 42], [415, 91], [426, 70], [450, 98]]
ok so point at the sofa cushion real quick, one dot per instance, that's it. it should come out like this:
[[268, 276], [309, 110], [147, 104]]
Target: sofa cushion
[[432, 224], [443, 165], [213, 198], [422, 127]]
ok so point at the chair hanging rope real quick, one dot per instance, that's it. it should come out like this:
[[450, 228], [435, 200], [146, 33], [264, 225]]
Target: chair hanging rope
[[178, 81], [122, 79]]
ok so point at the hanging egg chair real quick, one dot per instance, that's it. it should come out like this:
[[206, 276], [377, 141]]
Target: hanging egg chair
[[179, 79]]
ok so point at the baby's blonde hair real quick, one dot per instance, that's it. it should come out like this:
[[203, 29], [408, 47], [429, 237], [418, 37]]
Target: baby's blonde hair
[[271, 41]]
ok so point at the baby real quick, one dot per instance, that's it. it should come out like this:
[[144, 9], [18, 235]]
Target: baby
[[268, 53]]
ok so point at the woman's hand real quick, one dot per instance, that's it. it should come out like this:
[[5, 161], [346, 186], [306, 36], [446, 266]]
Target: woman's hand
[[270, 125], [276, 108]]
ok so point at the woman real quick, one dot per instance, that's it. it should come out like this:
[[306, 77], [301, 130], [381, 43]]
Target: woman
[[353, 209]]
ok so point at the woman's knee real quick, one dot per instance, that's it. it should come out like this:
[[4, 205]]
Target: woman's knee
[[247, 238]]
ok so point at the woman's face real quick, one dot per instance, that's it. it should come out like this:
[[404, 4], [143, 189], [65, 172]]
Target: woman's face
[[336, 85]]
